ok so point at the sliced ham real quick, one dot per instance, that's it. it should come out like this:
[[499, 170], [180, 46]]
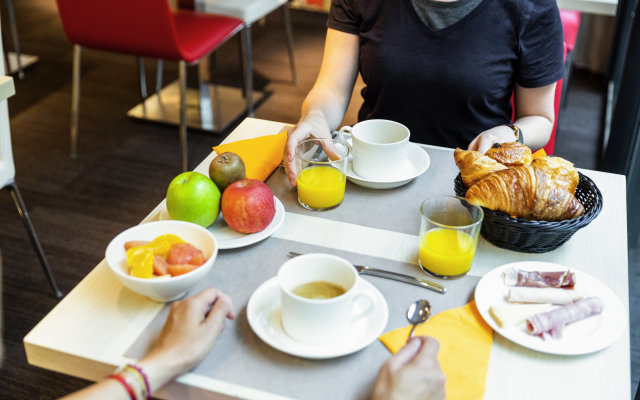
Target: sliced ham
[[540, 279], [554, 321]]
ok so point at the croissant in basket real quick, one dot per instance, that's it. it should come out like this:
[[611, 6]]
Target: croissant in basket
[[474, 165], [526, 192], [510, 154], [560, 169]]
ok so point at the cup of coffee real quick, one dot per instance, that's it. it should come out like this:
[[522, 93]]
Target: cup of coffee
[[379, 148], [321, 295]]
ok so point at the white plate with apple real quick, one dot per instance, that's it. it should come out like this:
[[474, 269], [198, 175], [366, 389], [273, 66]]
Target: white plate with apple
[[228, 238]]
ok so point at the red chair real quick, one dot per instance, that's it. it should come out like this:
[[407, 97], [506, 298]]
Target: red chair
[[145, 28], [570, 25]]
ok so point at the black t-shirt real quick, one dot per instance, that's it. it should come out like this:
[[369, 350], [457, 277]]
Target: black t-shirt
[[449, 85]]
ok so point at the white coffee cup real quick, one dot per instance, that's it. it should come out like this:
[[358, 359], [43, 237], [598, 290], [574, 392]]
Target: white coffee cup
[[314, 321], [379, 148]]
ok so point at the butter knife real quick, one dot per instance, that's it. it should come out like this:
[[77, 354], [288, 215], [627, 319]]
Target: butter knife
[[364, 270]]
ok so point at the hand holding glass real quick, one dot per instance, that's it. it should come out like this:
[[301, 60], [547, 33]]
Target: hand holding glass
[[322, 179]]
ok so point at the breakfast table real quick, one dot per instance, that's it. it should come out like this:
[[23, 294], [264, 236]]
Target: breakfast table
[[101, 325]]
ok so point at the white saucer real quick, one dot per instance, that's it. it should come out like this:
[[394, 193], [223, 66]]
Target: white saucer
[[263, 313], [417, 163], [228, 238]]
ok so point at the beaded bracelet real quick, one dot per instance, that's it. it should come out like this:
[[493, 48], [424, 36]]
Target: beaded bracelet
[[125, 384], [144, 379]]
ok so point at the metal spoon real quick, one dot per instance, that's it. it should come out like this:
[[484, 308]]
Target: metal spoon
[[418, 313]]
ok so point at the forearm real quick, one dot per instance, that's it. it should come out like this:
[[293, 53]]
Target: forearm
[[107, 389], [323, 102], [536, 130]]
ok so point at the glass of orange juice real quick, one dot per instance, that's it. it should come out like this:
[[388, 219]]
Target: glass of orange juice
[[321, 178], [449, 232]]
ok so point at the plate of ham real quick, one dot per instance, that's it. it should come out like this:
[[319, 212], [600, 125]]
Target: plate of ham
[[550, 308]]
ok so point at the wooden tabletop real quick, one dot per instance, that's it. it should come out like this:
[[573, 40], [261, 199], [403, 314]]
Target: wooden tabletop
[[88, 332], [599, 7]]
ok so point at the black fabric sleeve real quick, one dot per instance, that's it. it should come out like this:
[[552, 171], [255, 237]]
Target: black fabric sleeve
[[541, 60], [343, 16]]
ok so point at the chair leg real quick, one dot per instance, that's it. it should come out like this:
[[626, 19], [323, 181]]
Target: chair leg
[[75, 100], [182, 79], [248, 72], [22, 210], [142, 78], [14, 35], [289, 31], [159, 72], [565, 81]]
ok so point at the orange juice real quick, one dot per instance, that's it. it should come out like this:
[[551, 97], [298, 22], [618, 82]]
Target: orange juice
[[321, 186], [447, 252]]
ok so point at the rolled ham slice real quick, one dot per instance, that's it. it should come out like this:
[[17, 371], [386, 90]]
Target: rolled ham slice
[[554, 321], [542, 295], [541, 279]]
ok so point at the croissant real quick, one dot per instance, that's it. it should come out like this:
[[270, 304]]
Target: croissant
[[525, 192], [562, 171], [474, 165], [510, 153]]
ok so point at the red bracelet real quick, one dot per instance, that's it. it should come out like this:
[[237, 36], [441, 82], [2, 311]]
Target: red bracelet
[[145, 379], [125, 384]]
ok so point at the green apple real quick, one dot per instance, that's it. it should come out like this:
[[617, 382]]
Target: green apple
[[193, 197]]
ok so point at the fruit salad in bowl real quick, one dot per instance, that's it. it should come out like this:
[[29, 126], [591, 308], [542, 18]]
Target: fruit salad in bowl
[[162, 259]]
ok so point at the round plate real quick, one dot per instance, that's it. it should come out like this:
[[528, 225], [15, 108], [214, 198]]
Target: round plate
[[417, 163], [228, 238], [581, 337], [264, 315]]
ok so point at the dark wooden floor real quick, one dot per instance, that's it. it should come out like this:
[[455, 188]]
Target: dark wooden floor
[[124, 166]]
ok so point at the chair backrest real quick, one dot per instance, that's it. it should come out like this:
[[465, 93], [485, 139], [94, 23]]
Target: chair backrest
[[570, 25], [7, 167], [140, 27]]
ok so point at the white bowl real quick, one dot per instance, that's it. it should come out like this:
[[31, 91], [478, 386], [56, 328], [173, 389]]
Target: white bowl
[[165, 288]]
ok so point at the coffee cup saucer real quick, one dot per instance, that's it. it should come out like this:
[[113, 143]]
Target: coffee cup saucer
[[416, 163], [264, 315]]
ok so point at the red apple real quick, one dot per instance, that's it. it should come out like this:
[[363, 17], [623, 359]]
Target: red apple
[[247, 206]]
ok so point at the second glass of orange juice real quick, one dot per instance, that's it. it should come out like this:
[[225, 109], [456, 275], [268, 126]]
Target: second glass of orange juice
[[449, 232], [322, 165]]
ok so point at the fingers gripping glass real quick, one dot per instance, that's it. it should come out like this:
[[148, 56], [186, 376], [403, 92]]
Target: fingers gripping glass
[[321, 180]]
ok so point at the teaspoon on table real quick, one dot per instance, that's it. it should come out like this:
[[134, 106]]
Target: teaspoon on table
[[417, 313]]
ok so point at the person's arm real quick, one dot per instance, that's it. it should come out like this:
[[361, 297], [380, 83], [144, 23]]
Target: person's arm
[[534, 116], [191, 329], [412, 373], [324, 107]]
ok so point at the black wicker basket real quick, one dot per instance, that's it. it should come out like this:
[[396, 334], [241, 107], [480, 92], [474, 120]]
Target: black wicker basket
[[529, 236]]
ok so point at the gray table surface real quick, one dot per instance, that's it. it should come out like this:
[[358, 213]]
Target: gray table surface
[[242, 358], [390, 209]]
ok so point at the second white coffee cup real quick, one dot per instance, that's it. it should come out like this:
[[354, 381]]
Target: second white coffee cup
[[379, 148], [311, 316]]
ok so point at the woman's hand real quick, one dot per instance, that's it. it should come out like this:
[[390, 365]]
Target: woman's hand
[[498, 134], [412, 373], [313, 125], [189, 333]]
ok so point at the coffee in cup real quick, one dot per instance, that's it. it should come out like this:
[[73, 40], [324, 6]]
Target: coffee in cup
[[321, 294], [319, 290]]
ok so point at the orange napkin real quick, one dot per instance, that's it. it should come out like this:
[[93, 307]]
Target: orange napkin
[[539, 153], [465, 345], [261, 155]]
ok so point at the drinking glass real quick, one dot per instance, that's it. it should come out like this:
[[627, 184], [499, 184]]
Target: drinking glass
[[321, 179], [449, 230]]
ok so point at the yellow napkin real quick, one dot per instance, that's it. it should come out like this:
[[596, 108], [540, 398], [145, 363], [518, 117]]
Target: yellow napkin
[[465, 345], [261, 155]]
